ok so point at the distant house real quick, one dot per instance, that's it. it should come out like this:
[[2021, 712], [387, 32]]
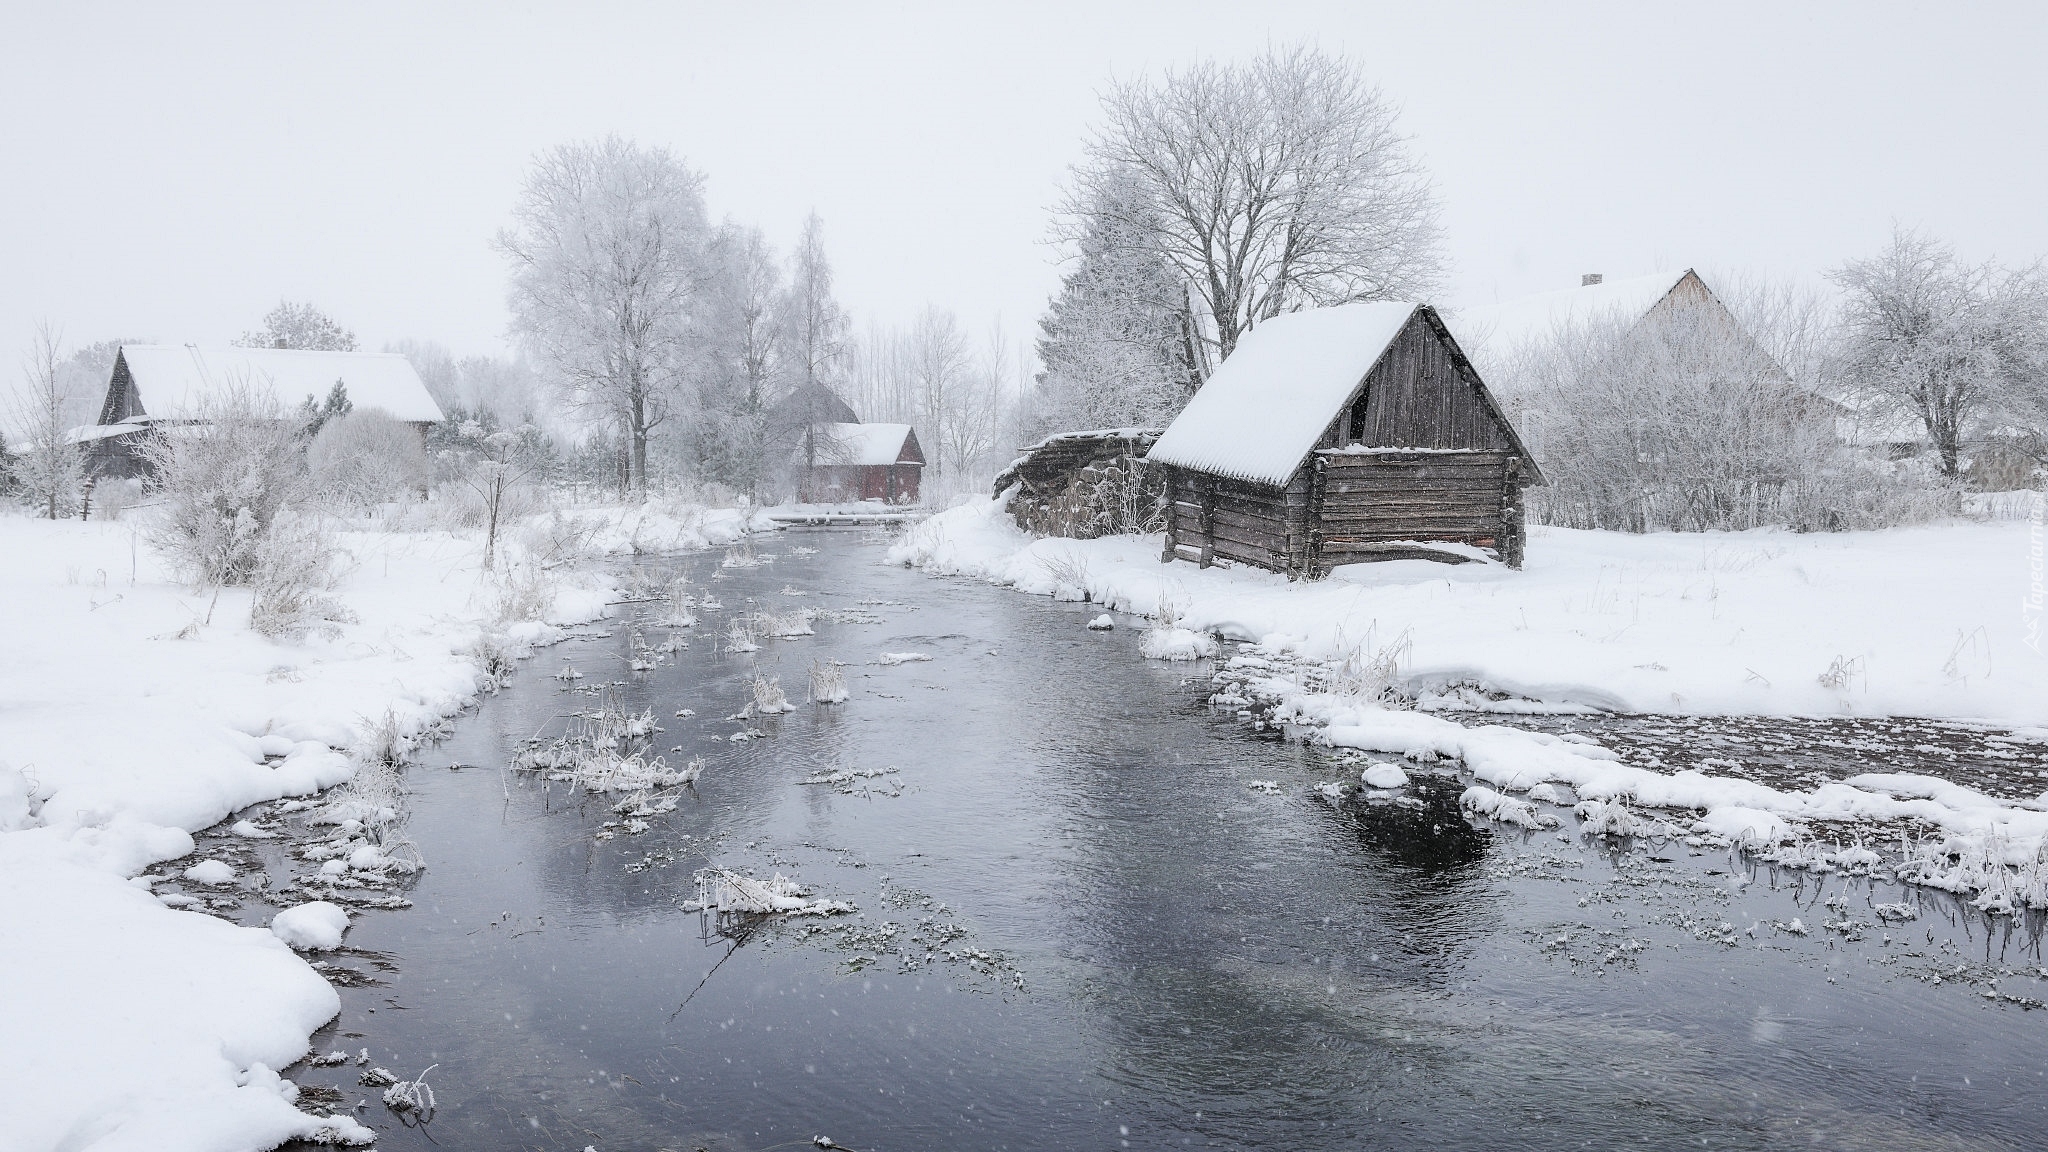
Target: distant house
[[1340, 435], [164, 385], [845, 461], [1494, 332]]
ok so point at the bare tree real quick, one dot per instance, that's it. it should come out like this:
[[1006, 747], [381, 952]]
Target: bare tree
[[499, 462], [1947, 342], [814, 331], [608, 256], [938, 365], [1270, 187], [879, 380], [301, 326], [50, 469], [977, 407]]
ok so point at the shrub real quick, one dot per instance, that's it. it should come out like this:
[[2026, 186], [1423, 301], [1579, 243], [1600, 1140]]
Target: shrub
[[294, 572], [365, 457], [223, 480]]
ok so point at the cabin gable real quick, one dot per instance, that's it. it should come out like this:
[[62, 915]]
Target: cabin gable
[[1424, 393]]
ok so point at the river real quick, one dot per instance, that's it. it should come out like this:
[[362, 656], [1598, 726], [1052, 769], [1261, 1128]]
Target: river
[[1081, 926]]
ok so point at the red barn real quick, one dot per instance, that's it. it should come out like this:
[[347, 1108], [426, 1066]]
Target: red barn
[[860, 462]]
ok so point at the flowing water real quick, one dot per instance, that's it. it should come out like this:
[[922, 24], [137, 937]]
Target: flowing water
[[1081, 926]]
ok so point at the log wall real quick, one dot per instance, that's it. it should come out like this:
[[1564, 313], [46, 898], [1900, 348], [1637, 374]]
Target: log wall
[[1346, 508]]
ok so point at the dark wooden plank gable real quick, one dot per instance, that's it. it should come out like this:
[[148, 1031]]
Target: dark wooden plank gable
[[1424, 393], [120, 405]]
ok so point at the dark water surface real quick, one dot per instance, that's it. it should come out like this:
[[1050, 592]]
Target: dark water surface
[[1162, 956]]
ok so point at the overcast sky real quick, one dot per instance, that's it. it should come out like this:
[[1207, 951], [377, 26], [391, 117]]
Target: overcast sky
[[171, 171]]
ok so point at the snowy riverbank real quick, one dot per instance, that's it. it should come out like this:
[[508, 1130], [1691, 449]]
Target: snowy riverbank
[[134, 712], [1923, 622], [1917, 621]]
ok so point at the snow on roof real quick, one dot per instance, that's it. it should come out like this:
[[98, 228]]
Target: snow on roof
[[1495, 330], [1263, 408], [861, 443], [177, 380]]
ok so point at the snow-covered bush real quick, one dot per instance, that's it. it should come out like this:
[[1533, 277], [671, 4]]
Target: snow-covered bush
[[365, 457], [223, 480], [294, 573]]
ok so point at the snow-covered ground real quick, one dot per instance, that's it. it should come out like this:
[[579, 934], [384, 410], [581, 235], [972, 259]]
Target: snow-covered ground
[[1925, 622], [1917, 621], [134, 712]]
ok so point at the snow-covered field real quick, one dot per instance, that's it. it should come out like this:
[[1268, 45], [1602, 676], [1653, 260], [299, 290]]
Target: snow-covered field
[[1925, 622], [134, 712]]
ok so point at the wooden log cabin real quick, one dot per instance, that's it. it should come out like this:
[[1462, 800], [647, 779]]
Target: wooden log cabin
[[1342, 435]]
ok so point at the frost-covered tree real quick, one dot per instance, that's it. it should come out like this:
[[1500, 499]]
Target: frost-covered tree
[[303, 326], [1270, 186], [1117, 346], [49, 469], [1946, 342], [315, 414], [608, 251], [742, 364]]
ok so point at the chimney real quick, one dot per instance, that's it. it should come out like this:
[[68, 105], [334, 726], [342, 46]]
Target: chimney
[[1589, 279]]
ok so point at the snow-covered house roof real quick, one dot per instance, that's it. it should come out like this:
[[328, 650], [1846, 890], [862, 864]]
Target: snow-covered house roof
[[1262, 410], [867, 444], [177, 381], [1490, 331]]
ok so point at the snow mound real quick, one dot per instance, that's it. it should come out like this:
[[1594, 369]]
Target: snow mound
[[891, 659], [210, 872], [1178, 644], [1384, 776], [1102, 623], [316, 926]]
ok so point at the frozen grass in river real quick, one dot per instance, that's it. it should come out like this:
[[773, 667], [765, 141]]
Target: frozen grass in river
[[607, 750], [739, 637], [682, 605], [1370, 671], [1167, 640], [727, 893], [785, 626], [769, 699], [828, 683]]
